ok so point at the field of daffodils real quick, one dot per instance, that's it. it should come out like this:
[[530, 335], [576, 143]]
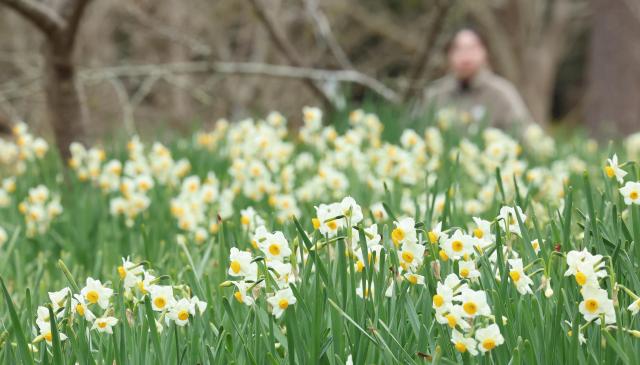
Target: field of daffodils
[[256, 243]]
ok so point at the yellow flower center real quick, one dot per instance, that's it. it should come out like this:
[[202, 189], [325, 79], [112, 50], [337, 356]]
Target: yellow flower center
[[235, 266], [160, 302], [451, 320], [274, 249], [489, 344], [359, 266], [80, 309], [609, 171], [478, 233], [515, 276], [438, 300], [245, 220], [433, 237], [407, 256], [183, 315], [48, 336], [581, 278], [591, 305], [461, 347], [443, 255], [470, 308], [413, 279], [332, 225], [122, 272], [239, 297], [141, 287], [92, 296], [102, 324], [316, 223], [457, 246], [283, 303], [397, 235], [464, 272], [633, 195]]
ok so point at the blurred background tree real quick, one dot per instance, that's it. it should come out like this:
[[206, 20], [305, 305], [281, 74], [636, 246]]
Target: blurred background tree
[[614, 67], [138, 64]]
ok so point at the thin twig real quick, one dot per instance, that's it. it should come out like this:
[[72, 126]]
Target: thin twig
[[440, 16], [286, 48]]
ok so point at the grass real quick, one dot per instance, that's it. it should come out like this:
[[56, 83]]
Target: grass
[[568, 203]]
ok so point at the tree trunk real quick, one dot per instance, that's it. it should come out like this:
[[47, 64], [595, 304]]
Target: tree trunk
[[537, 77], [613, 100], [62, 96]]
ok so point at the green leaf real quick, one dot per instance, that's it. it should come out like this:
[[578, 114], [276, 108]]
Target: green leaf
[[25, 354], [151, 322]]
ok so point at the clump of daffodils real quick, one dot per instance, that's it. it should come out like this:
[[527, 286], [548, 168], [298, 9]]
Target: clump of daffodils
[[128, 183], [467, 313], [40, 209], [173, 303], [16, 154], [86, 163], [94, 303], [276, 277], [410, 249], [587, 270], [7, 188], [197, 205], [632, 145], [460, 301], [276, 172]]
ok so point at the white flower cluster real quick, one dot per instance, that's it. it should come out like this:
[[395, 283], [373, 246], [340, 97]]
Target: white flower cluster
[[632, 144], [267, 164], [248, 283], [40, 208], [631, 189], [24, 148], [588, 269], [7, 188], [138, 283], [130, 185], [96, 297], [466, 312], [197, 204], [87, 163]]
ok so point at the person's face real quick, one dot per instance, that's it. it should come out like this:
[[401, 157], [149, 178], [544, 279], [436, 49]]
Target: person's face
[[467, 55]]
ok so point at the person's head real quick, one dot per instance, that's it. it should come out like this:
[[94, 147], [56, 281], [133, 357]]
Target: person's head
[[467, 54]]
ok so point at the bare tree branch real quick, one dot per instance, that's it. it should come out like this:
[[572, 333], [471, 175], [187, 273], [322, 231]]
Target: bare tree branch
[[39, 14], [125, 102], [378, 23], [286, 47], [250, 69], [195, 45], [324, 28], [73, 14], [437, 23]]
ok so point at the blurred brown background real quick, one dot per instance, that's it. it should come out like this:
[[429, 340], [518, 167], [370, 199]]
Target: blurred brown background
[[91, 67]]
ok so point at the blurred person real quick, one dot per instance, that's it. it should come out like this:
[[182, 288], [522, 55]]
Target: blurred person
[[471, 86]]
